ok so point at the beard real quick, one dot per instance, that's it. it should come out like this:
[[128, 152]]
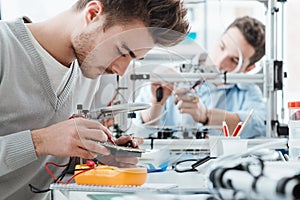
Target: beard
[[83, 46]]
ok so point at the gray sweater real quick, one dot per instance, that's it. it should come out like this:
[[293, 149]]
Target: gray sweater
[[27, 102]]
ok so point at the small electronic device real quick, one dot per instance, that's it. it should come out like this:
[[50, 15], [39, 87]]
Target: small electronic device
[[110, 176], [122, 151]]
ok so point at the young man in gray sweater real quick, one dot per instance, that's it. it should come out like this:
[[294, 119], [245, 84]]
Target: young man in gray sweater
[[41, 82]]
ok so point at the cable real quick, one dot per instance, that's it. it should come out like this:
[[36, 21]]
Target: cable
[[61, 176], [90, 163], [58, 179], [240, 179], [193, 166]]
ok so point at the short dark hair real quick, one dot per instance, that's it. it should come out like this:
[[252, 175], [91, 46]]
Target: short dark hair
[[167, 17], [254, 32]]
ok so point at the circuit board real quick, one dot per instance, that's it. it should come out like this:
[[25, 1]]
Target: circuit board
[[122, 151]]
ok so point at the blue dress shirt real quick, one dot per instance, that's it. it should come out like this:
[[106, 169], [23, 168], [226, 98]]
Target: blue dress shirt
[[239, 98]]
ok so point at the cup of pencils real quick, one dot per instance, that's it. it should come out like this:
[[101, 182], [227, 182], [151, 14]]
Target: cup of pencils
[[222, 145], [230, 146], [239, 127], [229, 143]]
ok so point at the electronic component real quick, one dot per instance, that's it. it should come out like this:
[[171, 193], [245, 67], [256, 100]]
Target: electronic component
[[123, 151]]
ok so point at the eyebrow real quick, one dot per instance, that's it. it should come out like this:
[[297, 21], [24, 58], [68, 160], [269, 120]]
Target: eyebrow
[[132, 55]]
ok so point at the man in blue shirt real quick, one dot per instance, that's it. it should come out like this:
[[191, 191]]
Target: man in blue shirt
[[216, 103]]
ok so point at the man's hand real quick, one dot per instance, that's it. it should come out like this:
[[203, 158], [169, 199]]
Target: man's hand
[[74, 137], [191, 104], [167, 89], [151, 115], [108, 122], [122, 161]]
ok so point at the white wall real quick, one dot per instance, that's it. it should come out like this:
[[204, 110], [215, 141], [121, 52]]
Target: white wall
[[219, 15], [292, 50], [36, 10]]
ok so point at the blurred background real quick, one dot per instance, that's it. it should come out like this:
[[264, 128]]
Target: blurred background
[[208, 18]]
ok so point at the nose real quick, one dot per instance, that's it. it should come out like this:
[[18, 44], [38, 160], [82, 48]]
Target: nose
[[225, 63], [120, 65], [220, 61]]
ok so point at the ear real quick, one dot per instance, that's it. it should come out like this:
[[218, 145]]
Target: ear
[[93, 10], [248, 69]]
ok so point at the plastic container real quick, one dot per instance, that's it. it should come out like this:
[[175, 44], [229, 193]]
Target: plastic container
[[294, 130], [221, 145]]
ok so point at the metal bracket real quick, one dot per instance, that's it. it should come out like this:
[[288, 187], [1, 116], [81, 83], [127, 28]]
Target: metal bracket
[[278, 75], [275, 10], [135, 77]]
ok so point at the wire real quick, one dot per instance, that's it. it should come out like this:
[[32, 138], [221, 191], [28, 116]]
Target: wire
[[177, 164], [58, 179], [37, 190], [193, 166], [83, 171], [61, 176], [91, 164]]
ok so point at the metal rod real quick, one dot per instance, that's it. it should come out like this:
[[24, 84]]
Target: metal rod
[[282, 57], [0, 11], [209, 77], [271, 94]]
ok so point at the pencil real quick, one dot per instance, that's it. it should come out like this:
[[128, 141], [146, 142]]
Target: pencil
[[245, 122], [225, 129], [237, 129]]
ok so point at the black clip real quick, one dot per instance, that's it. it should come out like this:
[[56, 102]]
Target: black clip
[[159, 94], [225, 77]]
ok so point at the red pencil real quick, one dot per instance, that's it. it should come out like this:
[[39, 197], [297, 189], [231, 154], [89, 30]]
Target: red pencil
[[237, 128], [225, 129]]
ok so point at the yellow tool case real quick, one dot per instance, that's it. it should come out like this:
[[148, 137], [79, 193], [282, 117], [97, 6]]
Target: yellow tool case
[[110, 176]]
